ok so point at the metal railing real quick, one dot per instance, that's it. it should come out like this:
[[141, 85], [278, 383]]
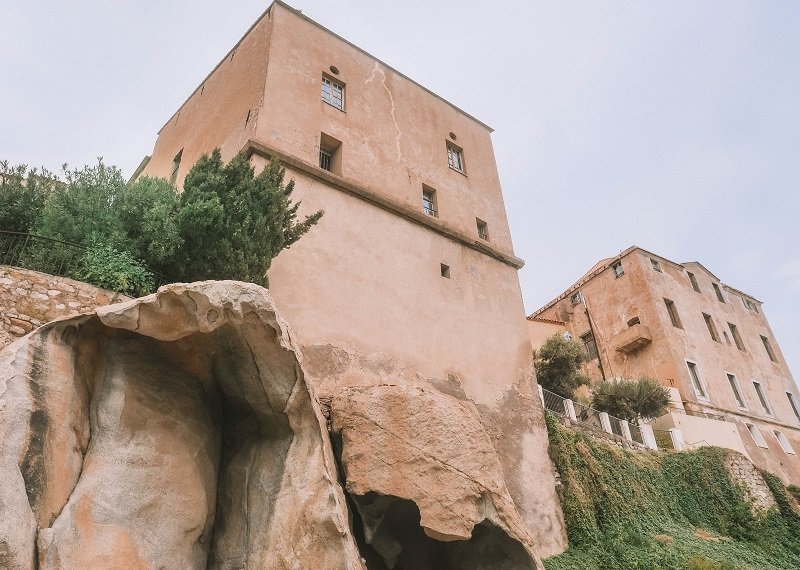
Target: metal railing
[[589, 418], [39, 253]]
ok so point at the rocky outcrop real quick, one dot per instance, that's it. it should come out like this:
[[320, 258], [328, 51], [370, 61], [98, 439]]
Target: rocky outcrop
[[174, 431], [426, 481], [179, 431]]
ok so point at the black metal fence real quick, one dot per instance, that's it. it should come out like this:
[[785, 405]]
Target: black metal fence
[[39, 253]]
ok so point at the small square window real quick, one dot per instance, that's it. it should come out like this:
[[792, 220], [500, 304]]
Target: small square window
[[749, 305], [483, 229], [768, 348], [785, 445], [429, 205], [455, 157], [656, 265], [757, 437], [718, 292], [673, 313], [618, 270], [576, 298], [693, 281], [333, 92], [445, 270]]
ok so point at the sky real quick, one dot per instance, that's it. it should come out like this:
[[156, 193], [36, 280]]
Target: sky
[[670, 125]]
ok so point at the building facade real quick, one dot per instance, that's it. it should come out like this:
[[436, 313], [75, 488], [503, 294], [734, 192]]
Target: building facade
[[410, 276], [640, 314]]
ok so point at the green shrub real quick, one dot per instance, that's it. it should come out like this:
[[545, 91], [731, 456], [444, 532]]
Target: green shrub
[[558, 366], [631, 400], [105, 266]]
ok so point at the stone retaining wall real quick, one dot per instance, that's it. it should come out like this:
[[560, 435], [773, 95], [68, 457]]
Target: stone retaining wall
[[743, 471], [29, 299]]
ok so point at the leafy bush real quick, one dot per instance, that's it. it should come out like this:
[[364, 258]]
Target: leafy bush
[[558, 365], [664, 511], [105, 266], [22, 195], [632, 400]]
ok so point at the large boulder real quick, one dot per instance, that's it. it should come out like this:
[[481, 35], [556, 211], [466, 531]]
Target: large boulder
[[427, 482], [173, 431]]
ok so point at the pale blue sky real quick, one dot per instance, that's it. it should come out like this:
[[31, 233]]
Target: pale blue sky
[[670, 125]]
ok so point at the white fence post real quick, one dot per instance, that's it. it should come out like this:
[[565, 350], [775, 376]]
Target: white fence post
[[541, 393], [626, 429], [648, 436], [677, 439], [605, 422], [569, 408]]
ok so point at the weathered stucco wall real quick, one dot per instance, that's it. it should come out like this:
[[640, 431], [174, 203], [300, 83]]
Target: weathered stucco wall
[[29, 299]]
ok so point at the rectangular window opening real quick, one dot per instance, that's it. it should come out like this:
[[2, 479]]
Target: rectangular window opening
[[483, 229], [176, 164], [618, 270], [718, 292], [673, 313], [656, 265], [590, 345], [429, 205], [576, 298], [693, 281], [329, 154], [755, 433], [737, 393], [762, 397], [712, 328], [785, 445], [768, 348], [749, 305], [793, 404], [455, 157], [333, 92], [736, 338], [697, 384], [445, 270]]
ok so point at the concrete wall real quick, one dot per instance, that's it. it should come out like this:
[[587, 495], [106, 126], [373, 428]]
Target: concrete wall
[[29, 299], [363, 289], [698, 431], [540, 331]]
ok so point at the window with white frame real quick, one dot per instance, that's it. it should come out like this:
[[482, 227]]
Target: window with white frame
[[793, 403], [333, 92], [718, 292], [618, 270], [712, 328], [762, 397], [737, 392], [785, 445], [697, 383], [756, 435], [429, 202], [455, 157]]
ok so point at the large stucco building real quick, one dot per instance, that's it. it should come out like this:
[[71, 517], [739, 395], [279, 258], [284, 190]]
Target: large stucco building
[[640, 314], [410, 276]]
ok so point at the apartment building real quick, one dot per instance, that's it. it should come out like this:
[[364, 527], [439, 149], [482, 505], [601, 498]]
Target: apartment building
[[412, 263], [640, 314]]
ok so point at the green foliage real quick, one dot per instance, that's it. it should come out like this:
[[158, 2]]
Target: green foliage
[[235, 222], [22, 195], [663, 511], [558, 366], [227, 224], [631, 400], [105, 266]]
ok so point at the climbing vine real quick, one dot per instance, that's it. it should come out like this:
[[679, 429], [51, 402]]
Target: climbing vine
[[664, 511]]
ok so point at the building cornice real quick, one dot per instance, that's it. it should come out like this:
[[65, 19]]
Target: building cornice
[[315, 172]]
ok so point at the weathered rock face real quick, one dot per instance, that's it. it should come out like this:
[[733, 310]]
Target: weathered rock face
[[419, 466], [178, 431], [174, 431]]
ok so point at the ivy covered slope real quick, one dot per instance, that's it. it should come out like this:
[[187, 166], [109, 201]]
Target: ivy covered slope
[[664, 511]]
